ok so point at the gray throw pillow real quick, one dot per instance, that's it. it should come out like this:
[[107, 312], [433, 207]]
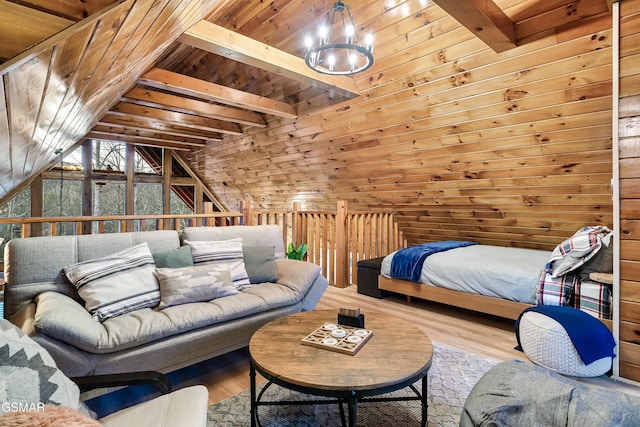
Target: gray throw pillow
[[260, 262], [174, 258], [194, 284]]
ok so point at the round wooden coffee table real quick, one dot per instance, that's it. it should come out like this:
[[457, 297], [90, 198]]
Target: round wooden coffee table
[[397, 355]]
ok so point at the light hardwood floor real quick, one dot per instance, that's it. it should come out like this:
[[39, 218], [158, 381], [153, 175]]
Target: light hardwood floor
[[487, 336]]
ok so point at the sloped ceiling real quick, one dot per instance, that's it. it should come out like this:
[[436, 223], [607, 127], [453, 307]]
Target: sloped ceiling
[[493, 128]]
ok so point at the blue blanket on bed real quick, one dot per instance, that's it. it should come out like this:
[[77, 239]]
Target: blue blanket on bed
[[406, 264]]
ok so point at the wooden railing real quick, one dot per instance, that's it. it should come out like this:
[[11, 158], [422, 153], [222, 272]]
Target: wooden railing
[[337, 239]]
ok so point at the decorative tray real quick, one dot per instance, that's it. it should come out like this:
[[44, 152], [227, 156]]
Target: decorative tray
[[340, 338]]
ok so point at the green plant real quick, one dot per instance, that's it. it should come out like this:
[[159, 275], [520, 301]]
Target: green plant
[[293, 253]]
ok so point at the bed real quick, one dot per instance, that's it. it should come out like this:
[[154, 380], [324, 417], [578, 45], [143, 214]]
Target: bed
[[500, 281]]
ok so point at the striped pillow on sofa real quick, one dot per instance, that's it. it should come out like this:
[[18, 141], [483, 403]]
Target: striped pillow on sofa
[[226, 252], [116, 284]]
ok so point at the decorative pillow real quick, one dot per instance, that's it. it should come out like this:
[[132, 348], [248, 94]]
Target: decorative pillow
[[260, 262], [228, 252], [577, 250], [174, 258], [193, 284], [29, 376], [118, 283]]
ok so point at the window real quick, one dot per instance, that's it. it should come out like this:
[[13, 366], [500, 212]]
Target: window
[[62, 198], [19, 206], [109, 199], [148, 201]]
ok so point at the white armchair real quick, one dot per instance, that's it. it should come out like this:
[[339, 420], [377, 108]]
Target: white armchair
[[31, 385]]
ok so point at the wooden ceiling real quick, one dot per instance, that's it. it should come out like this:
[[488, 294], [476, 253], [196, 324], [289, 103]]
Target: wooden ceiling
[[475, 113]]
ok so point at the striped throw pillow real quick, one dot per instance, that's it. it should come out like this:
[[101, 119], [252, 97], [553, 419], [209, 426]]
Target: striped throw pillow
[[116, 284], [227, 252]]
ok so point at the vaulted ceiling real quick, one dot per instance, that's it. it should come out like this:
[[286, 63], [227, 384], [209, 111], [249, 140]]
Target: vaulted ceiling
[[466, 116]]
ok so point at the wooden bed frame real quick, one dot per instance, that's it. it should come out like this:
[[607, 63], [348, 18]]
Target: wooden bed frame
[[480, 303], [483, 304]]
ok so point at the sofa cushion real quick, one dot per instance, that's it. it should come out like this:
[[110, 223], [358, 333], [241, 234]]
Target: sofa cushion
[[29, 376], [226, 252], [260, 262], [62, 318], [252, 235], [116, 284], [194, 284], [174, 258]]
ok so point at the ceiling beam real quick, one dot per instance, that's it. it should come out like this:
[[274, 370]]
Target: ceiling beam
[[229, 44], [152, 98], [137, 140], [186, 120], [156, 125], [484, 19], [151, 135], [190, 86]]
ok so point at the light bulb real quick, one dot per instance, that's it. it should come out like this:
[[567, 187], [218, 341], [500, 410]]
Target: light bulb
[[332, 62], [322, 32], [368, 41], [349, 30], [308, 42]]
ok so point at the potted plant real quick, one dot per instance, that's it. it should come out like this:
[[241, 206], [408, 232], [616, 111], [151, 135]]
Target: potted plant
[[293, 253]]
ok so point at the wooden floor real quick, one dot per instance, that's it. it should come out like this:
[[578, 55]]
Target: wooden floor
[[487, 336]]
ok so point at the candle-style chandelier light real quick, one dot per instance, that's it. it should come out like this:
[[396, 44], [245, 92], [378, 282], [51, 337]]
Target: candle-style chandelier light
[[338, 49]]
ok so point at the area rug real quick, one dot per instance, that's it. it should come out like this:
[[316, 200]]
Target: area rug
[[452, 375]]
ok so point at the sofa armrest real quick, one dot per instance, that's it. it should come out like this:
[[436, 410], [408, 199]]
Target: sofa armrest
[[64, 319], [303, 278], [156, 379]]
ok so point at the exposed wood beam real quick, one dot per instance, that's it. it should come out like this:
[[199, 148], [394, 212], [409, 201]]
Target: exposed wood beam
[[136, 140], [182, 119], [152, 98], [484, 19], [151, 135], [229, 44], [190, 86], [168, 128], [22, 27], [220, 204]]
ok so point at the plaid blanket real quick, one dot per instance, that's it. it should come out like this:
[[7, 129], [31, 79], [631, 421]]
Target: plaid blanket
[[560, 280]]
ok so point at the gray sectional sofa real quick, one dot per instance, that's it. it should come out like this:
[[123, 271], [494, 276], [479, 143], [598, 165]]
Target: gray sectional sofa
[[46, 306]]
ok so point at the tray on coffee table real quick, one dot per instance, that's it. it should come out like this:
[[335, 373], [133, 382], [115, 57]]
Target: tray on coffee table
[[329, 337]]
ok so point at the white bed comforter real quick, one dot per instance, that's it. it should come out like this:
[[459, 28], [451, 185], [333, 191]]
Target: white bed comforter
[[507, 273]]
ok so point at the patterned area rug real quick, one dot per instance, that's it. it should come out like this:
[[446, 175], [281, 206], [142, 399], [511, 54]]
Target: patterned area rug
[[452, 375]]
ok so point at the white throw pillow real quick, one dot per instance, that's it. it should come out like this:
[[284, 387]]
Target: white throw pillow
[[118, 283], [227, 252]]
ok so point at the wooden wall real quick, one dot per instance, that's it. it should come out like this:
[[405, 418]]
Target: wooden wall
[[509, 148], [629, 152]]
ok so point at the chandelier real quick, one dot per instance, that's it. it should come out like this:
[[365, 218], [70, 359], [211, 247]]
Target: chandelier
[[339, 50]]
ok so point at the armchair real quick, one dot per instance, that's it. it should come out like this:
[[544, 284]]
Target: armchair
[[34, 387]]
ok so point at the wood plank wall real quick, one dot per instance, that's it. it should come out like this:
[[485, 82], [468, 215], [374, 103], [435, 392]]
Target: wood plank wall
[[629, 150], [511, 149]]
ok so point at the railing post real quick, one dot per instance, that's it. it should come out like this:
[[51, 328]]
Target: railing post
[[296, 225], [342, 249], [247, 215]]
